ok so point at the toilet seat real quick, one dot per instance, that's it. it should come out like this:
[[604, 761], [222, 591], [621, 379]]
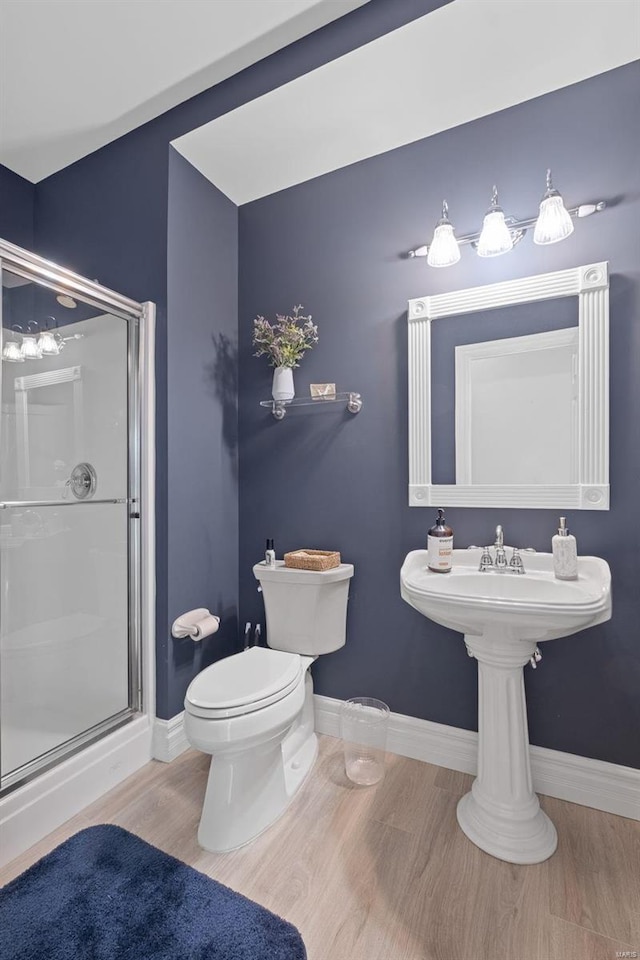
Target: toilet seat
[[243, 683]]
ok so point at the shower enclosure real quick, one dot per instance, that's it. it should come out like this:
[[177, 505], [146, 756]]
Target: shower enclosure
[[70, 515]]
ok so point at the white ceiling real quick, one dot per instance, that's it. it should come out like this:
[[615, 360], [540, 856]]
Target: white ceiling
[[77, 74], [466, 60]]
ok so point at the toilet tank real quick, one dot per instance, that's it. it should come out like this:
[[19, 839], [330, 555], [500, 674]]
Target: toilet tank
[[306, 610]]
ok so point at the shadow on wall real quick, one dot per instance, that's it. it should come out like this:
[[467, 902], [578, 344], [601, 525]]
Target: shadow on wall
[[221, 378]]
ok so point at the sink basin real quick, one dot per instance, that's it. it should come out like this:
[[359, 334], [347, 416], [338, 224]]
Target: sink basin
[[532, 606], [503, 617]]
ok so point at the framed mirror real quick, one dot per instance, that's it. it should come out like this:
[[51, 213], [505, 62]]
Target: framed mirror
[[509, 393]]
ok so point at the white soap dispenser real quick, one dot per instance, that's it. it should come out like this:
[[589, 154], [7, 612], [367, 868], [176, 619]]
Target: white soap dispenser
[[565, 553]]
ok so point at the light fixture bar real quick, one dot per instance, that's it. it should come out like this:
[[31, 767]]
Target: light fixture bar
[[576, 213]]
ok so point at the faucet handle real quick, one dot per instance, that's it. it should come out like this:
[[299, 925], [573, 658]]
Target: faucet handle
[[486, 560], [501, 558], [516, 563]]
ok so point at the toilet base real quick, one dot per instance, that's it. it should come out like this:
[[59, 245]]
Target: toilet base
[[247, 793], [250, 787]]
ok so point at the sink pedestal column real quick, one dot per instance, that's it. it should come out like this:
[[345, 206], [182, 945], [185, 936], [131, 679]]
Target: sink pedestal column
[[501, 814]]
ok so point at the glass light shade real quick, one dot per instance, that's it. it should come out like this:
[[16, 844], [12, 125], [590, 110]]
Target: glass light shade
[[12, 352], [495, 238], [30, 348], [444, 250], [553, 223], [48, 344]]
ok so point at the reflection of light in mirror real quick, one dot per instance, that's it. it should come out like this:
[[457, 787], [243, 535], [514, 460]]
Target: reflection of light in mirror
[[48, 344], [30, 348], [12, 352]]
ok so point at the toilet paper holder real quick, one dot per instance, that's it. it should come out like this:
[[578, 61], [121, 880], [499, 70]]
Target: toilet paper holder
[[197, 624]]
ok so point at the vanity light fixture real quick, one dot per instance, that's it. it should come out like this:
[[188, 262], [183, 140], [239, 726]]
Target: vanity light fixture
[[553, 223], [495, 238], [443, 250], [501, 233], [34, 346]]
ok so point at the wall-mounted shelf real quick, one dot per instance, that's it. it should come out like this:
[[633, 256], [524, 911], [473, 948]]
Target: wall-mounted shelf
[[353, 402]]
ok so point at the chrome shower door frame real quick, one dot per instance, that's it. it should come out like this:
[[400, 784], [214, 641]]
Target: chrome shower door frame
[[140, 318]]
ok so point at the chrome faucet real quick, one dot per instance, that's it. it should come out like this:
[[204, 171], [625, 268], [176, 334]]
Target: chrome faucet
[[500, 564]]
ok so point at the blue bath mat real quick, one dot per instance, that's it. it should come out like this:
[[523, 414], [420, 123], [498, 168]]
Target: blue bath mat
[[107, 895]]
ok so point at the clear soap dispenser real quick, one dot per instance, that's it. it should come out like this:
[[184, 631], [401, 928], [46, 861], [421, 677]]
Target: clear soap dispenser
[[565, 553]]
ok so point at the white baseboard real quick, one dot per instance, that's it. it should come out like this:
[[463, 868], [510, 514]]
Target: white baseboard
[[592, 783], [169, 739], [30, 812]]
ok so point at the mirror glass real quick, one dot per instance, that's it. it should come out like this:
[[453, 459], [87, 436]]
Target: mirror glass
[[504, 386], [509, 393]]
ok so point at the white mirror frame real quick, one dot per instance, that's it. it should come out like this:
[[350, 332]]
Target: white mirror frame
[[590, 284]]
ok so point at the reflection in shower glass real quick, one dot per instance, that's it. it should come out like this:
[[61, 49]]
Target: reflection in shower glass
[[64, 594]]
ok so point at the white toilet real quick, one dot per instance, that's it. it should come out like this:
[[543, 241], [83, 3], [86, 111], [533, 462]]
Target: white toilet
[[253, 711]]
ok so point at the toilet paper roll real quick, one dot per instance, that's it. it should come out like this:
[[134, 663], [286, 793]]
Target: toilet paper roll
[[206, 626], [196, 624]]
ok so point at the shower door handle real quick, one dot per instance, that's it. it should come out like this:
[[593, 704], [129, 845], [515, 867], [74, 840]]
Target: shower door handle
[[25, 504]]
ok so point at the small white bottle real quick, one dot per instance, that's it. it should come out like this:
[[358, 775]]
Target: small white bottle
[[565, 553], [270, 554]]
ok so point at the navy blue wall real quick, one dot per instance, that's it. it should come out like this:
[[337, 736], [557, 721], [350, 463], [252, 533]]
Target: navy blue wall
[[106, 217], [327, 479], [202, 422], [17, 198]]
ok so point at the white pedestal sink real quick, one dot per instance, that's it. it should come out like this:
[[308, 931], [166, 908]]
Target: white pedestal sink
[[503, 616]]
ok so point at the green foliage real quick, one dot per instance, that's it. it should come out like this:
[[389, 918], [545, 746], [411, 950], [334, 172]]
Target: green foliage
[[287, 340]]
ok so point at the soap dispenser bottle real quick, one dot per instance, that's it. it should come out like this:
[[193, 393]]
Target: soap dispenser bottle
[[565, 553], [270, 554], [440, 546]]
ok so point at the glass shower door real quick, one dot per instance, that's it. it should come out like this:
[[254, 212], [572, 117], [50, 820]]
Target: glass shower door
[[67, 647]]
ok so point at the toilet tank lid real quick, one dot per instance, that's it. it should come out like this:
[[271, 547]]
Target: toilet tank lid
[[280, 572]]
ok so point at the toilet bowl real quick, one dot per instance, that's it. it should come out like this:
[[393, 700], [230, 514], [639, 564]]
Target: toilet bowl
[[253, 711], [262, 748]]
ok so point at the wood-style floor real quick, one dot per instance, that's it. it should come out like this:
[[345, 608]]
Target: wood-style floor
[[384, 873]]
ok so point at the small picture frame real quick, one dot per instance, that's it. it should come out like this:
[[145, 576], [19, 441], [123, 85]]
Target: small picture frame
[[323, 391]]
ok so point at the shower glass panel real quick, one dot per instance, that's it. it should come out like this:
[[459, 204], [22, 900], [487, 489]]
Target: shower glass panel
[[67, 648]]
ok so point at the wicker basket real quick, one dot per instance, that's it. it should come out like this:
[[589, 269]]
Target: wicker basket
[[312, 559]]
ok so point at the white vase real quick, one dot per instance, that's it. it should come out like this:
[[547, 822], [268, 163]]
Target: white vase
[[283, 388]]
